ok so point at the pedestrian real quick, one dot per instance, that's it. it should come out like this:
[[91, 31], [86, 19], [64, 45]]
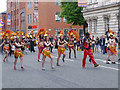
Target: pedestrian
[[52, 42], [18, 53], [40, 42], [111, 48], [61, 47], [93, 43], [96, 44], [88, 51], [32, 43], [46, 51], [102, 43], [106, 43]]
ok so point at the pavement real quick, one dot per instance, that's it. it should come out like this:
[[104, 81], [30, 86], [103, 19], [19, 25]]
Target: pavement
[[69, 75]]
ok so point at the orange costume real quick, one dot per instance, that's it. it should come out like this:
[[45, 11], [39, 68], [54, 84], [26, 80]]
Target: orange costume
[[18, 53], [61, 49], [46, 53]]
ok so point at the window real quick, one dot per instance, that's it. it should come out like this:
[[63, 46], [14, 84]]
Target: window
[[57, 2], [28, 18], [66, 31], [81, 32], [33, 17], [64, 20], [95, 25], [57, 18], [106, 23], [28, 5], [57, 30], [22, 16], [90, 25]]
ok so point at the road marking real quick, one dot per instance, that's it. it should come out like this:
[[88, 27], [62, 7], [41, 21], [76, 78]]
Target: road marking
[[104, 61], [109, 68]]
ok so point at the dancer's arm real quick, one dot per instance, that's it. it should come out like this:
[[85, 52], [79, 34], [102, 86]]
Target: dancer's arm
[[2, 43], [17, 45], [65, 42]]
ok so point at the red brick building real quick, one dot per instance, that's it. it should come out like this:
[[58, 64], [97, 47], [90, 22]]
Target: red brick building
[[16, 10], [35, 15], [3, 17]]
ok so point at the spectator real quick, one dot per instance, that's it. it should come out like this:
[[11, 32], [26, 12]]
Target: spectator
[[96, 44], [102, 44], [106, 43], [93, 43]]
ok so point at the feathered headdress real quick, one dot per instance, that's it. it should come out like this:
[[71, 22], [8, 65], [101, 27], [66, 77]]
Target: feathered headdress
[[61, 33], [111, 33], [32, 32], [41, 31], [46, 33], [74, 33], [7, 33]]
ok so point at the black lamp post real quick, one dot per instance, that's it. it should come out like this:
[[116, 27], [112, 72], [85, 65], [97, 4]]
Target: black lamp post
[[15, 15]]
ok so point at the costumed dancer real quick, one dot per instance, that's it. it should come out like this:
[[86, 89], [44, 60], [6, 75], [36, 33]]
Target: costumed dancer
[[88, 51], [40, 42], [6, 37], [111, 47], [46, 51], [18, 52], [61, 47], [72, 36]]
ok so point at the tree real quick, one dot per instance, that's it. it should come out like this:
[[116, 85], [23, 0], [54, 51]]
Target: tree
[[73, 14]]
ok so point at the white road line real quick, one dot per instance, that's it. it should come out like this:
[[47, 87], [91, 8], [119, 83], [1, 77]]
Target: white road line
[[109, 68], [104, 61]]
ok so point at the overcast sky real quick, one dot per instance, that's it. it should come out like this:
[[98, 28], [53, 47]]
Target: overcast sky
[[2, 5]]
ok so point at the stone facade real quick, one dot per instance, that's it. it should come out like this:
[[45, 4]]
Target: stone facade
[[102, 16]]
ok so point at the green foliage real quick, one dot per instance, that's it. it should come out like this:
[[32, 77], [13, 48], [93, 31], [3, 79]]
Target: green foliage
[[72, 13]]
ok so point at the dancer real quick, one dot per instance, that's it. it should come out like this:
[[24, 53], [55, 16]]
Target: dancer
[[18, 53], [72, 36], [88, 51], [61, 47], [40, 42], [6, 37], [46, 51], [111, 48]]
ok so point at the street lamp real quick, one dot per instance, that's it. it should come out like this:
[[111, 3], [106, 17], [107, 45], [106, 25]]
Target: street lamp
[[15, 15]]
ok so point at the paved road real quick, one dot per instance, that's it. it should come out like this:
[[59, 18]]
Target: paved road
[[69, 75]]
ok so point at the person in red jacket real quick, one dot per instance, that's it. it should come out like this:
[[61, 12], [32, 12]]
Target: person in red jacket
[[88, 51]]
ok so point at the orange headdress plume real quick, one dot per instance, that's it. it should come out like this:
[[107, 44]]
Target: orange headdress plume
[[7, 33], [111, 33], [41, 31], [74, 33], [61, 33]]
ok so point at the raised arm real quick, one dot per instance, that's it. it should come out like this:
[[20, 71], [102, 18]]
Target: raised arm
[[2, 43], [17, 45]]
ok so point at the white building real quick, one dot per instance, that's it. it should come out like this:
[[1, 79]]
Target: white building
[[101, 15]]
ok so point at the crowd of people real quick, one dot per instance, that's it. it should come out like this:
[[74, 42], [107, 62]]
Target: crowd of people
[[18, 42]]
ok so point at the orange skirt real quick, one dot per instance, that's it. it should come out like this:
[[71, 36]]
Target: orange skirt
[[18, 53], [46, 53], [6, 48], [61, 49], [70, 46], [112, 49]]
